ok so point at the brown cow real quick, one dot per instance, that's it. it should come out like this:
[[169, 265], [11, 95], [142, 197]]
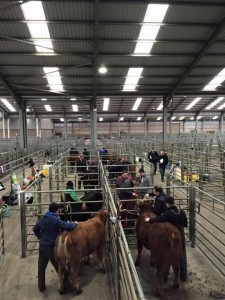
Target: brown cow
[[71, 246], [164, 242]]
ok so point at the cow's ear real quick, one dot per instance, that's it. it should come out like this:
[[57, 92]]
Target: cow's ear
[[93, 214]]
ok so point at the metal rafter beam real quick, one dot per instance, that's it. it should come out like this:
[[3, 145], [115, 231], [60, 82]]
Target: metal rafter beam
[[145, 2], [103, 40], [10, 90], [89, 55], [180, 103], [197, 59], [87, 65], [109, 23]]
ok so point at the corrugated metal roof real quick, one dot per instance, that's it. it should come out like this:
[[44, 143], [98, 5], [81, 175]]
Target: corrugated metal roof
[[180, 41]]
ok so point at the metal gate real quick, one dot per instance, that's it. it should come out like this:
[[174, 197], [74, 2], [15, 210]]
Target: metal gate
[[2, 248]]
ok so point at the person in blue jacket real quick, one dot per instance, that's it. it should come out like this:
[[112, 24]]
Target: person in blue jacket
[[46, 230]]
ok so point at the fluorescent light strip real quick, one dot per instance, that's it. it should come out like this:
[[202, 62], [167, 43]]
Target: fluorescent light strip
[[215, 102], [48, 107], [8, 105], [173, 118], [195, 101], [100, 119], [181, 118], [159, 118], [216, 117], [122, 118], [137, 103], [199, 117], [106, 104], [75, 107], [139, 119], [216, 81], [62, 119]]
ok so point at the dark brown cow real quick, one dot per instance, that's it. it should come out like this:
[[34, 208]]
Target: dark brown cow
[[164, 242], [71, 246]]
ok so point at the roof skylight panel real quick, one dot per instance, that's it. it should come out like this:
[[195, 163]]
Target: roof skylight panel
[[194, 102], [75, 107], [216, 81], [154, 13], [132, 78], [215, 102], [48, 107], [8, 105], [106, 104], [221, 106], [137, 103], [160, 107]]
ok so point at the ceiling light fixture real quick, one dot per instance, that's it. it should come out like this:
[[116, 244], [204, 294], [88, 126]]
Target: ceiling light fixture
[[102, 69]]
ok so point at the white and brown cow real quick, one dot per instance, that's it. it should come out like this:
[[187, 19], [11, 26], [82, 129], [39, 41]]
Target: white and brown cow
[[72, 246]]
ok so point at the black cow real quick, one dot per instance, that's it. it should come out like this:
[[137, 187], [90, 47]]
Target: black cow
[[74, 211]]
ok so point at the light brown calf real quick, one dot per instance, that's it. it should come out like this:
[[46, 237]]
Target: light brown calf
[[72, 246]]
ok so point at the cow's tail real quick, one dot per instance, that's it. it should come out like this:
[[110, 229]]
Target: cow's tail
[[176, 245]]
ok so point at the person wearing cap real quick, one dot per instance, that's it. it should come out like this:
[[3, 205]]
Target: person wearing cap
[[46, 230], [145, 181]]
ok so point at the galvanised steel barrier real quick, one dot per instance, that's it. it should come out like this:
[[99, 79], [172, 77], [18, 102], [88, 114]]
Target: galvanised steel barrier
[[2, 246], [206, 219], [125, 278]]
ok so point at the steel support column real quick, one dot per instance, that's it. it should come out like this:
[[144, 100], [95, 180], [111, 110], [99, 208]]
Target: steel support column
[[164, 121], [23, 125]]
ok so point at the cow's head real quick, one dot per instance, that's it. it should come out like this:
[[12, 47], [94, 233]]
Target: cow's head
[[102, 214], [145, 204]]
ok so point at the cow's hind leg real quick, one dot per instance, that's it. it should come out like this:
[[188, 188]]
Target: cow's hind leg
[[99, 252], [61, 274], [139, 247], [75, 267], [160, 275], [176, 269]]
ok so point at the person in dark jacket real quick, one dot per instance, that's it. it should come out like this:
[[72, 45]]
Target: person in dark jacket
[[81, 171], [178, 218], [46, 230], [86, 154], [159, 204], [153, 158], [163, 161]]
